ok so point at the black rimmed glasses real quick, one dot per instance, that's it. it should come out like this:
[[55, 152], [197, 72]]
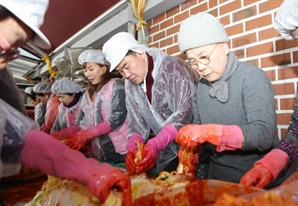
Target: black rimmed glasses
[[194, 63]]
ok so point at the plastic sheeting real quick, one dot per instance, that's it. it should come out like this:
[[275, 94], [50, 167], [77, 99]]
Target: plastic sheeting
[[113, 105], [39, 113], [67, 116], [14, 126], [172, 102]]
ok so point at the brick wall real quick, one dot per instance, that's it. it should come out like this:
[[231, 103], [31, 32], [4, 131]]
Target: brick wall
[[249, 25]]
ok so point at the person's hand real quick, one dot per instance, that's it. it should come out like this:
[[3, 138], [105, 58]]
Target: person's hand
[[130, 163], [132, 142], [258, 176], [77, 141], [65, 132], [149, 155], [266, 169], [194, 134], [103, 177]]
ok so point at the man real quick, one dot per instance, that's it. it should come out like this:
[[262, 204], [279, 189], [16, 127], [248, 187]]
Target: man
[[159, 98], [20, 139]]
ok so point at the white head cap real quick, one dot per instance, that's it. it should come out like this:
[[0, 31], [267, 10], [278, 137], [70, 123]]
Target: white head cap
[[29, 90], [31, 12], [42, 87], [65, 86], [199, 30], [118, 45], [92, 55]]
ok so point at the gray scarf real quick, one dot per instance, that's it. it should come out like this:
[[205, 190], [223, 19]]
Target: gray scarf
[[220, 88]]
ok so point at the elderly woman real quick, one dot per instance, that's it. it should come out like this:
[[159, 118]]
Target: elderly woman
[[70, 95], [234, 116]]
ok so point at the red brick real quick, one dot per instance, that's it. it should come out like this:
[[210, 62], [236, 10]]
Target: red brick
[[172, 11], [283, 119], [271, 75], [159, 36], [275, 60], [247, 2], [166, 24], [245, 13], [295, 55], [259, 49], [269, 5], [258, 22], [172, 30], [175, 38], [284, 88], [213, 12], [154, 29], [159, 18], [187, 4], [212, 3], [166, 42], [199, 8], [236, 29], [181, 17], [172, 50], [156, 45], [182, 56], [225, 20], [288, 73], [287, 103], [239, 53], [267, 34], [230, 7], [285, 44], [254, 62], [244, 40]]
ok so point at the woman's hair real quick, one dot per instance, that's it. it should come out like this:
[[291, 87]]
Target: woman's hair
[[106, 77], [39, 94]]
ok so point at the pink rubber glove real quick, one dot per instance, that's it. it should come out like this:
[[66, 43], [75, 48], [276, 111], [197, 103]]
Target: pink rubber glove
[[153, 146], [132, 145], [41, 151], [266, 170], [77, 140], [225, 137], [65, 132]]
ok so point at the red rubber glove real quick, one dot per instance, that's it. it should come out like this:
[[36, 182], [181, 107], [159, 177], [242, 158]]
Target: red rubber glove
[[41, 151], [78, 140], [65, 132], [150, 151], [266, 170], [224, 137]]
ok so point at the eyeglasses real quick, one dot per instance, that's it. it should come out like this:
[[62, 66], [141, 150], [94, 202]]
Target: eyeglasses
[[194, 63]]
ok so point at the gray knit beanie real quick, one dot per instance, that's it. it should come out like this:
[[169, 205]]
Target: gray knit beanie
[[200, 30]]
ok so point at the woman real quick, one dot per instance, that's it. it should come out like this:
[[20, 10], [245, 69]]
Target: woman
[[39, 109], [69, 94], [43, 92], [103, 111], [234, 115]]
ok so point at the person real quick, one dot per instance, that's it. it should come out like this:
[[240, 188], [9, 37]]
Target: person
[[159, 98], [286, 20], [102, 121], [43, 92], [32, 148], [69, 95], [267, 172], [39, 108], [234, 116]]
